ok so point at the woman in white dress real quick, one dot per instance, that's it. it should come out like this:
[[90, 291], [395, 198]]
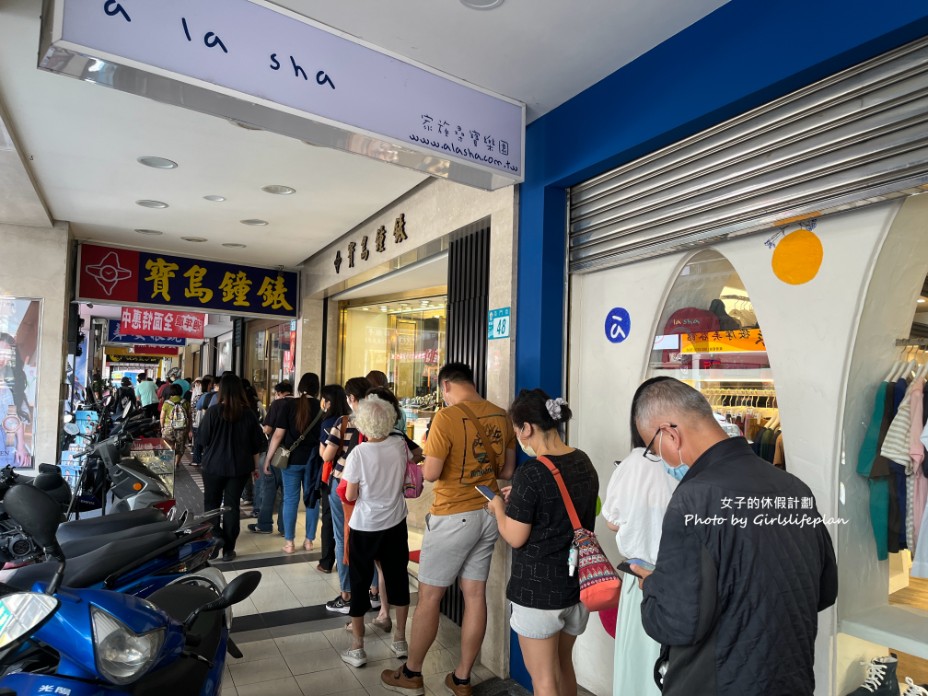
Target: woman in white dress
[[636, 500]]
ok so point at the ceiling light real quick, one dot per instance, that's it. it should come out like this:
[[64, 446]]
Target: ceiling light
[[231, 245], [215, 199], [383, 309], [194, 239], [151, 204], [157, 162], [920, 300], [278, 189], [482, 4], [246, 126], [150, 232], [254, 222]]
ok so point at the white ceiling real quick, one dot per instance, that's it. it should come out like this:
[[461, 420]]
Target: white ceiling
[[80, 141]]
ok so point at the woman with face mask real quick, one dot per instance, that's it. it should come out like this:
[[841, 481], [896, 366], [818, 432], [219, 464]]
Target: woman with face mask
[[545, 593], [636, 499]]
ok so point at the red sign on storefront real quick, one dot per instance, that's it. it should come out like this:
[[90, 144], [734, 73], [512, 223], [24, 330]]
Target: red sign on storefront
[[162, 322], [155, 350]]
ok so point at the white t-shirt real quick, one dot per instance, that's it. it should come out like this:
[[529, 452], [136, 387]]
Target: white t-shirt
[[637, 497], [379, 469]]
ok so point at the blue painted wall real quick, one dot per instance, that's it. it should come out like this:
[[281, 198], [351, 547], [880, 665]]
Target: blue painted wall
[[743, 55]]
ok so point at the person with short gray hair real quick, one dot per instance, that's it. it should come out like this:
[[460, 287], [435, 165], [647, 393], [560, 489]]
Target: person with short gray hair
[[745, 562], [373, 481]]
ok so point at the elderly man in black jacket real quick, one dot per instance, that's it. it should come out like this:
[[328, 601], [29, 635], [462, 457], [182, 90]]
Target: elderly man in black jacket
[[745, 562]]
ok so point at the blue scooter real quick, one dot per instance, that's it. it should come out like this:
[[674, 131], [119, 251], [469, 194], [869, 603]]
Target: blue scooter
[[136, 560], [102, 643]]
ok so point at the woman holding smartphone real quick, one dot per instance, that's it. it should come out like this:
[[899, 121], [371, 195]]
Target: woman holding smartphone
[[636, 499], [546, 611]]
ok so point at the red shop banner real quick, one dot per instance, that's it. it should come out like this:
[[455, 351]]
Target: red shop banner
[[162, 322], [167, 351]]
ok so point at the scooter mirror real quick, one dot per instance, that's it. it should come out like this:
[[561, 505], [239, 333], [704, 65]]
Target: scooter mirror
[[238, 589], [71, 429], [22, 614], [36, 513]]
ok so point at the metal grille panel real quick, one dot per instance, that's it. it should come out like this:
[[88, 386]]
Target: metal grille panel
[[856, 137]]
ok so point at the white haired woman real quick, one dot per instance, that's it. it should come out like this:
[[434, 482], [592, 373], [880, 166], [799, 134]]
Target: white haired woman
[[373, 481]]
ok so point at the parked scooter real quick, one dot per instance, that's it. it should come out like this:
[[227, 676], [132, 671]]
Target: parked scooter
[[132, 485], [95, 642], [16, 547], [138, 559]]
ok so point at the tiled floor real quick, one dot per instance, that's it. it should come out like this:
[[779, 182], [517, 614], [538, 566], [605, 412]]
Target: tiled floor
[[303, 658]]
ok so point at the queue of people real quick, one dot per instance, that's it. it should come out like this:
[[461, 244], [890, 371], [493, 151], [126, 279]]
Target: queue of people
[[696, 614]]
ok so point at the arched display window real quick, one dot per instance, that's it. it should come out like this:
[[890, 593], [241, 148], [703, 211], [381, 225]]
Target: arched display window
[[708, 336]]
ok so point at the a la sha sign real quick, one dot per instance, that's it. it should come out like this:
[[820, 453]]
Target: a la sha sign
[[252, 62]]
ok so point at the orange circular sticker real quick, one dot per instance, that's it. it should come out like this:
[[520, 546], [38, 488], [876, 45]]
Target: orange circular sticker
[[798, 257]]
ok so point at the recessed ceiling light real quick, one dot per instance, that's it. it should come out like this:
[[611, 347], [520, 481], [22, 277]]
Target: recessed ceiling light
[[482, 4], [151, 204], [254, 222], [157, 162], [215, 199], [232, 245], [921, 300], [383, 309], [194, 239], [278, 189], [246, 126], [150, 232]]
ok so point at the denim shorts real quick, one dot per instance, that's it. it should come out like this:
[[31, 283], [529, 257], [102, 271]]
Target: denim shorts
[[544, 623]]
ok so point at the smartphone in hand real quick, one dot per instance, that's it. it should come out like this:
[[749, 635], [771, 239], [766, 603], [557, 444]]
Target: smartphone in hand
[[486, 492], [625, 566]]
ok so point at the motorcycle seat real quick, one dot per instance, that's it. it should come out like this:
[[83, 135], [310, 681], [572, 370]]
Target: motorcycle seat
[[93, 567], [80, 546], [117, 522]]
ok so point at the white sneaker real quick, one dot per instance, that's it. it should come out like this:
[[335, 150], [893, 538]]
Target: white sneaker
[[400, 648], [355, 658], [914, 689]]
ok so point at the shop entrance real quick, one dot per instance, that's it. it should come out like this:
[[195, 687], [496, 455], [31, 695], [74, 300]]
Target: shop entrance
[[405, 339], [270, 356], [907, 522]]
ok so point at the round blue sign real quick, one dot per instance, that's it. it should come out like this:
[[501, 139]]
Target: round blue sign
[[618, 325]]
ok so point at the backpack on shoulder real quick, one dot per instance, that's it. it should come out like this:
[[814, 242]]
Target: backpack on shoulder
[[178, 420]]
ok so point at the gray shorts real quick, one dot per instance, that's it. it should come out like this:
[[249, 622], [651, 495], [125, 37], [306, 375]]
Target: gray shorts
[[544, 623], [459, 545]]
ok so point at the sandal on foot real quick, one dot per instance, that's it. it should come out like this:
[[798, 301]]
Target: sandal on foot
[[307, 545], [288, 547]]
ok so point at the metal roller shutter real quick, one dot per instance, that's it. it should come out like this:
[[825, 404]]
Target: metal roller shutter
[[856, 137]]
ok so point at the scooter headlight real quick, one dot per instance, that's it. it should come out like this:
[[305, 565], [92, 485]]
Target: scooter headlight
[[123, 655]]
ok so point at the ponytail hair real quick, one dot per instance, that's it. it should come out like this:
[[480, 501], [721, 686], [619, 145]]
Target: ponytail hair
[[536, 407]]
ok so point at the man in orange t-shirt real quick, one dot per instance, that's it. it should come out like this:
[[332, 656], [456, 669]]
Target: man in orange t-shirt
[[460, 533]]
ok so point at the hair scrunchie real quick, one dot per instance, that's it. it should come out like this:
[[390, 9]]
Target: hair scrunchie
[[554, 408]]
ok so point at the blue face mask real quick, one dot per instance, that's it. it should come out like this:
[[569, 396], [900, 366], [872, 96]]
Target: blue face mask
[[677, 472]]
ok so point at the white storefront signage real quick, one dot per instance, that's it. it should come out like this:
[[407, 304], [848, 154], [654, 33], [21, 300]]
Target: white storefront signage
[[277, 66]]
